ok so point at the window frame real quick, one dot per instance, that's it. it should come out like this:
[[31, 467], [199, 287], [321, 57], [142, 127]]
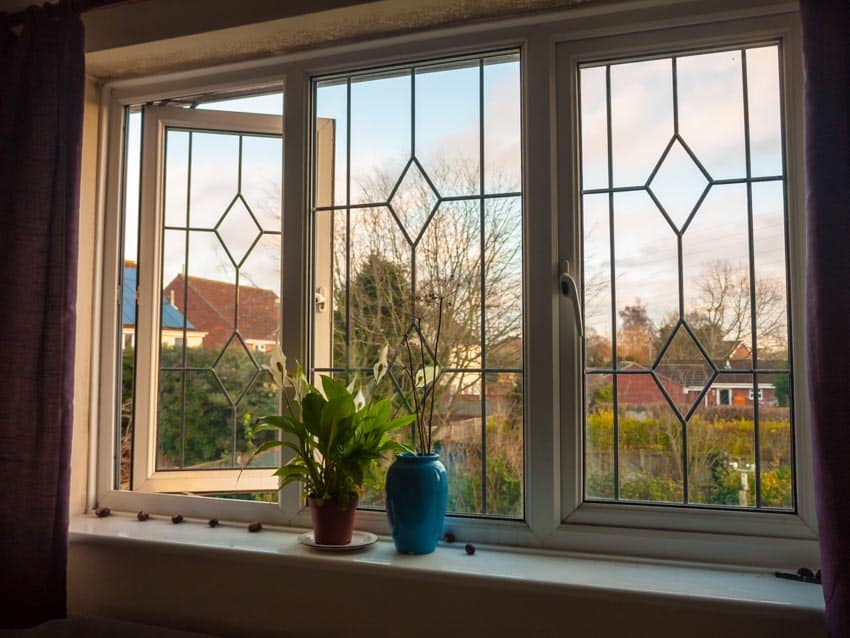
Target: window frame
[[157, 120], [783, 29], [410, 68], [555, 516]]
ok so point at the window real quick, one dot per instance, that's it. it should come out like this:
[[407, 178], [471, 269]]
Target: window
[[658, 167], [210, 271], [685, 278], [418, 197]]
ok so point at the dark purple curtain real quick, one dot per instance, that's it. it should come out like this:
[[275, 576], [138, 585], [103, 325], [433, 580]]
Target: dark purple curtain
[[42, 83], [826, 60]]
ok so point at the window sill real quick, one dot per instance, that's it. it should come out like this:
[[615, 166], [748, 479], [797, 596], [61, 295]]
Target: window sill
[[756, 590]]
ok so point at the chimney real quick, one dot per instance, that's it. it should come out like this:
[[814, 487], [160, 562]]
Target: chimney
[[171, 297]]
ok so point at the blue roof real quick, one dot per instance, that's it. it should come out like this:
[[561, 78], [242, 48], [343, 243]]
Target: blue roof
[[171, 316]]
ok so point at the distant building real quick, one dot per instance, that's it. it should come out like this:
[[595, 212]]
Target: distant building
[[172, 331], [221, 309], [734, 389]]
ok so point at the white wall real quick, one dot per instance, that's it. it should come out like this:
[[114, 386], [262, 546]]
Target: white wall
[[260, 596]]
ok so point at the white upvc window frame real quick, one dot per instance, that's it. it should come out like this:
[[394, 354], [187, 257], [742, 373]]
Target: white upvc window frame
[[612, 518], [157, 120], [555, 515]]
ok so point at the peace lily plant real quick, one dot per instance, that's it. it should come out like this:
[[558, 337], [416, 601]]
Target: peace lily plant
[[336, 432]]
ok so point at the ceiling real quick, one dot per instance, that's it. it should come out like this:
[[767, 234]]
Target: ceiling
[[142, 37]]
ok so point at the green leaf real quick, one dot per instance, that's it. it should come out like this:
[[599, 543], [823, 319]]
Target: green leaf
[[400, 422], [311, 412], [333, 388], [268, 445], [267, 427], [290, 470], [334, 413]]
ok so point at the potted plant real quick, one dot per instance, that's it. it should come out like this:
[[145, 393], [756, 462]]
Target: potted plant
[[336, 433], [417, 483]]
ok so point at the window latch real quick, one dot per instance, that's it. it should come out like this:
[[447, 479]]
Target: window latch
[[570, 289], [321, 300]]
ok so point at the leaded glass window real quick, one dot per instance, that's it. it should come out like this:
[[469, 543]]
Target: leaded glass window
[[418, 196], [685, 281]]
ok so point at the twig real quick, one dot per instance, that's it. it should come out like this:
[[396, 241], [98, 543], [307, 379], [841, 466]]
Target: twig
[[426, 448], [413, 385], [434, 386]]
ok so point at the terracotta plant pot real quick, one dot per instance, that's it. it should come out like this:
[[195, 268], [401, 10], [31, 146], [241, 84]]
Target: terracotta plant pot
[[333, 522]]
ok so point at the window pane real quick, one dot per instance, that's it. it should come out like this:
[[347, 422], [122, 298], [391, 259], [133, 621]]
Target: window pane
[[641, 118], [721, 444], [331, 107], [594, 129], [262, 172], [599, 456], [129, 277], [221, 300], [650, 441], [597, 282], [763, 89], [214, 177], [711, 89], [176, 177], [502, 124], [423, 225], [380, 130], [698, 288], [269, 104], [505, 446], [775, 441], [717, 272], [503, 282], [447, 100], [645, 267], [769, 269]]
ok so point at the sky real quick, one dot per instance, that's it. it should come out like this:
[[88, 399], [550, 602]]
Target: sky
[[712, 124], [447, 131]]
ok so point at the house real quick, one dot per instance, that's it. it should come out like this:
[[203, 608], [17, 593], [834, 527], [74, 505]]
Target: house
[[174, 329], [220, 309], [684, 382]]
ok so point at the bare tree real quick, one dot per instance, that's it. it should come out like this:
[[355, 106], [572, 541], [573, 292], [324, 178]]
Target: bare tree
[[722, 311], [636, 334], [435, 253]]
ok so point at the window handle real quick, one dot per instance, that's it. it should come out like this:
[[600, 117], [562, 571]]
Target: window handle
[[570, 289]]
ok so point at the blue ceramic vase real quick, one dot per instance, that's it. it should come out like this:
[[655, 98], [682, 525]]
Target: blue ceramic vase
[[417, 491]]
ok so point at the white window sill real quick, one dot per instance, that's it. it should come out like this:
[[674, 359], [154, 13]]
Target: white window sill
[[756, 589]]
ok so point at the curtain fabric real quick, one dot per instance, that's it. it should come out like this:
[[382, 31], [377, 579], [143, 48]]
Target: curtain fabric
[[42, 82], [826, 61]]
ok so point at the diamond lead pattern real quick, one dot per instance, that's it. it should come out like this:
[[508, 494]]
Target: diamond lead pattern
[[238, 231], [413, 201], [235, 368], [678, 184], [683, 370]]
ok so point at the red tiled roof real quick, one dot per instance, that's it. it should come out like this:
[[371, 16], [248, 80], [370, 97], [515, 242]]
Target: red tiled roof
[[211, 306]]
